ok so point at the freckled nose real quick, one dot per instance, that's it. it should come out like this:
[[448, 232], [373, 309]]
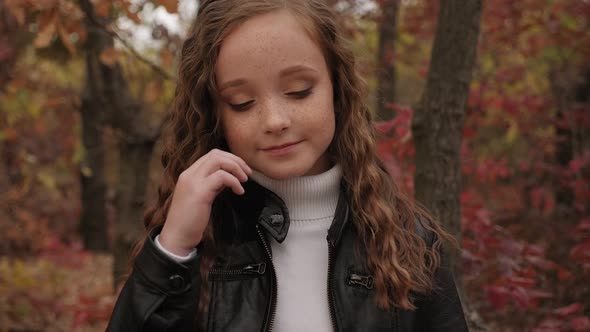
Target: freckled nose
[[275, 117]]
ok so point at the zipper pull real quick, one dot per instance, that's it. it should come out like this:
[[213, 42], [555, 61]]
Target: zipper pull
[[255, 268], [365, 281]]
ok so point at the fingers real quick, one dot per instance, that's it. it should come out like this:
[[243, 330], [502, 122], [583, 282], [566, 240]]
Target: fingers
[[199, 185], [218, 169], [221, 179], [233, 157], [218, 159], [224, 164]]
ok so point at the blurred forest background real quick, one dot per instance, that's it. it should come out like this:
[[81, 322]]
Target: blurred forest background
[[84, 89]]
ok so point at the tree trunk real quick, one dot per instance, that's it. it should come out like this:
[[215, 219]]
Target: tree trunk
[[563, 95], [134, 173], [137, 136], [569, 89], [93, 226], [10, 47], [582, 95], [11, 43], [386, 57], [93, 222], [438, 121]]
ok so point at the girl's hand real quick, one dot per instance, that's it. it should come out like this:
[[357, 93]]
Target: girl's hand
[[193, 197]]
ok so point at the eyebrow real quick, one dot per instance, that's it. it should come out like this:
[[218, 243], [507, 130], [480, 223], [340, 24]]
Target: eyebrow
[[295, 69], [232, 84], [285, 72]]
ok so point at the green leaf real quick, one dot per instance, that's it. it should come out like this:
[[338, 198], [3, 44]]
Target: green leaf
[[47, 180], [569, 22]]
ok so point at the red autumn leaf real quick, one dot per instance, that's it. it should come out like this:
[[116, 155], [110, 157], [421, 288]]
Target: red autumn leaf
[[384, 127], [498, 296], [130, 14], [549, 325], [569, 310], [576, 164], [522, 282], [581, 251], [80, 319], [469, 132], [520, 296], [534, 250], [564, 275], [580, 324], [536, 196], [109, 56], [47, 30], [584, 225], [103, 8], [65, 39], [170, 5], [538, 294], [549, 205]]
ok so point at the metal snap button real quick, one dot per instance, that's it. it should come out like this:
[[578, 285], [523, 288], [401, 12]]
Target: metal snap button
[[277, 220], [176, 282]]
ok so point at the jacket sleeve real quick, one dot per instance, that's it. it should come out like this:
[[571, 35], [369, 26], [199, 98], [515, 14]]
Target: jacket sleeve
[[441, 310], [159, 295]]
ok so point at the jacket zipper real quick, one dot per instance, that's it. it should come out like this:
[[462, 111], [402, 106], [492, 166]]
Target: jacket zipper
[[357, 279], [396, 311], [259, 268], [329, 288], [273, 283]]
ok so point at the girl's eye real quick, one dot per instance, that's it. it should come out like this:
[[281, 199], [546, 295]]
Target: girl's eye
[[242, 106], [300, 94]]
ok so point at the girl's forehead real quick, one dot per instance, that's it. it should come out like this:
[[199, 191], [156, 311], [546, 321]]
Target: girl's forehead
[[271, 38], [266, 29]]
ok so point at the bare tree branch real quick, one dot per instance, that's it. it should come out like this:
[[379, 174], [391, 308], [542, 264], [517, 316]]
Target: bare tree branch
[[141, 58], [89, 11]]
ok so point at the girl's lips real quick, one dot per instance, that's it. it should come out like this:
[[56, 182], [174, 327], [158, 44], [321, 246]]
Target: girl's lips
[[280, 150]]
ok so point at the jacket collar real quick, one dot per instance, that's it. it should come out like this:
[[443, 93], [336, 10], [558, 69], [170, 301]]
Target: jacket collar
[[270, 212]]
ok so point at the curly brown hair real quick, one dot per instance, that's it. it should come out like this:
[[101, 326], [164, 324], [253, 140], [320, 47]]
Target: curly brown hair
[[384, 217]]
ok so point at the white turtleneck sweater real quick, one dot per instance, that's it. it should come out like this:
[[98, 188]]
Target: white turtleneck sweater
[[301, 261]]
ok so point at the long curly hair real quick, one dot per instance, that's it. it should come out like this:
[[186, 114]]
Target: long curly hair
[[385, 218]]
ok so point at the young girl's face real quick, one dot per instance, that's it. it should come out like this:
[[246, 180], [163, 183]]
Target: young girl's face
[[276, 98]]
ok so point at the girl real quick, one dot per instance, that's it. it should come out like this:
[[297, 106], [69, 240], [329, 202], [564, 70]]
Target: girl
[[275, 211]]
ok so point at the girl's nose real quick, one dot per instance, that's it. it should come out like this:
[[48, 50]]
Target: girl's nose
[[275, 117]]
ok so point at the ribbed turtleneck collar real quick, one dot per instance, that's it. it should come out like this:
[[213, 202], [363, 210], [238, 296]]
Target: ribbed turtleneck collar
[[306, 197]]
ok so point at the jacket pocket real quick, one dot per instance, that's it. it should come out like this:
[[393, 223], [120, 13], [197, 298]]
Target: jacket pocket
[[237, 272]]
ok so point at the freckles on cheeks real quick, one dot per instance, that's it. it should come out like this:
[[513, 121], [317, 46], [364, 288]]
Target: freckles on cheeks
[[236, 131]]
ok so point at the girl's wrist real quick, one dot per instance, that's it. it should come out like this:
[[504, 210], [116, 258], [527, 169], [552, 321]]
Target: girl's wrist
[[171, 245], [177, 258]]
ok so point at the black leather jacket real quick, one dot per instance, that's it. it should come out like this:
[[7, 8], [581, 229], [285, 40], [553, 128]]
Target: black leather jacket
[[162, 295]]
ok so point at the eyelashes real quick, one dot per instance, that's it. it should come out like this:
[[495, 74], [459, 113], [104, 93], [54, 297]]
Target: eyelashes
[[300, 94], [242, 106], [295, 94]]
